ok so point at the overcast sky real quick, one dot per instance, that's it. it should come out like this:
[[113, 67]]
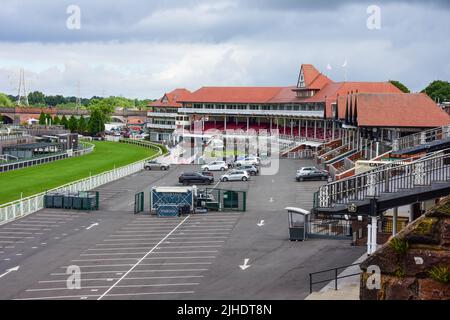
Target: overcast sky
[[142, 48]]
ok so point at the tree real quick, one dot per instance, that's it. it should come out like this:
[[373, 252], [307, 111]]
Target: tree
[[36, 98], [82, 125], [400, 85], [64, 122], [96, 122], [5, 101], [55, 100], [48, 117], [104, 106], [438, 90], [73, 124], [56, 120], [42, 118]]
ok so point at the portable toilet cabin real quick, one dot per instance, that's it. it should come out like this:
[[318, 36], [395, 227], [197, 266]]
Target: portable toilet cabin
[[298, 223]]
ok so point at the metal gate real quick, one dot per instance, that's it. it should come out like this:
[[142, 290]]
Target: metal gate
[[229, 200], [329, 229], [139, 202]]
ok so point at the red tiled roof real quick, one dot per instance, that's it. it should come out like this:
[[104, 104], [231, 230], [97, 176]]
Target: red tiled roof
[[414, 110], [171, 99], [313, 78], [332, 90], [134, 121], [234, 94]]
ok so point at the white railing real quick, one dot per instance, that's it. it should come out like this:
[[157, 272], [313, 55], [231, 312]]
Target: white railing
[[421, 138], [23, 207], [13, 136], [162, 114], [161, 126], [20, 164]]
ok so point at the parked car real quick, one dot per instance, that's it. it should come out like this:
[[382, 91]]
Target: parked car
[[254, 161], [155, 165], [311, 173], [235, 175], [215, 166], [251, 169], [207, 173], [194, 177]]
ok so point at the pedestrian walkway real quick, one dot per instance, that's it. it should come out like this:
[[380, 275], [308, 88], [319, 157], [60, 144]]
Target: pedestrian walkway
[[348, 288]]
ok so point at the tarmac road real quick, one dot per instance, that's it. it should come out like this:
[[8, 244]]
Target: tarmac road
[[126, 256]]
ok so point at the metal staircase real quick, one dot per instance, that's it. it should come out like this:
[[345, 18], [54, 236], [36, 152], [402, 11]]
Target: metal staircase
[[394, 184]]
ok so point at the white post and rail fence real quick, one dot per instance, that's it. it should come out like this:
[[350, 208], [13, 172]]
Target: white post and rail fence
[[25, 206]]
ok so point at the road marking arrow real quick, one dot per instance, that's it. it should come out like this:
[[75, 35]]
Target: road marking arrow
[[92, 225], [9, 271], [260, 224], [245, 265]]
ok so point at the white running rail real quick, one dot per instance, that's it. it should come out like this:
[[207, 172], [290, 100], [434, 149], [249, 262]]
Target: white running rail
[[25, 206]]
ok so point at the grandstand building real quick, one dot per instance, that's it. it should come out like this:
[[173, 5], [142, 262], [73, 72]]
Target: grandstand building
[[315, 111], [162, 115]]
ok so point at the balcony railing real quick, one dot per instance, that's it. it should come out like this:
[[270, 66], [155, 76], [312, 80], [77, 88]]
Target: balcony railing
[[286, 113], [421, 138], [161, 126], [162, 114]]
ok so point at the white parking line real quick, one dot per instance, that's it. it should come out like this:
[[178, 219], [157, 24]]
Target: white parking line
[[134, 271], [13, 232], [121, 286], [142, 264], [150, 238], [6, 242], [2, 237], [142, 259], [25, 229], [109, 295], [139, 248], [135, 278], [171, 241], [140, 253], [32, 225], [148, 258]]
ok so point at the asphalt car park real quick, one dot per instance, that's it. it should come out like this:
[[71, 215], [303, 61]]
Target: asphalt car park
[[127, 256]]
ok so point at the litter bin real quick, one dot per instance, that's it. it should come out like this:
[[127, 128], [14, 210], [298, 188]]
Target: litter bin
[[298, 223]]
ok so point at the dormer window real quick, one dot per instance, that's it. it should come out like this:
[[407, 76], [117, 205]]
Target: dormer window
[[165, 99], [301, 80]]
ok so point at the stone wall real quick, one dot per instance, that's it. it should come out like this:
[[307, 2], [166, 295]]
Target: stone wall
[[407, 262]]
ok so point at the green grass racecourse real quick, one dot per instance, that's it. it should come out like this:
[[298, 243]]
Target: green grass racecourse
[[40, 178]]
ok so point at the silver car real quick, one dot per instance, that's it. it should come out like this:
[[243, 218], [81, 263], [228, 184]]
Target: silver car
[[155, 165], [235, 175]]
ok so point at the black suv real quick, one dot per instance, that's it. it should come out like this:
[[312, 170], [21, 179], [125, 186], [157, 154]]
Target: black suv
[[194, 177]]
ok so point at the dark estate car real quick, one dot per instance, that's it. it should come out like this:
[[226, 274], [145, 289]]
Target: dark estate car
[[251, 169], [194, 177], [207, 173], [311, 173]]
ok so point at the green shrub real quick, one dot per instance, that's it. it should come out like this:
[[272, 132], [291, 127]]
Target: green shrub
[[400, 246], [440, 273], [399, 273]]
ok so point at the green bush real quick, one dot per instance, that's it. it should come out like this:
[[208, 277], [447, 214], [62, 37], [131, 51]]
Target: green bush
[[440, 273], [400, 246]]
